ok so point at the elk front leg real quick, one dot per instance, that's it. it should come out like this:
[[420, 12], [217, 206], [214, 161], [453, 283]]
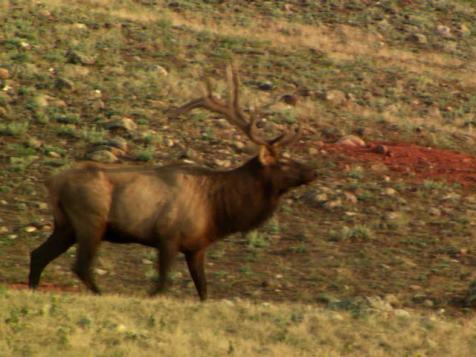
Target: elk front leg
[[167, 254], [195, 262]]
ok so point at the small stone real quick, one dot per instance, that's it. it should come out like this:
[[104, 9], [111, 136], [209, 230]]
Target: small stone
[[3, 229], [63, 83], [352, 141], [333, 204], [401, 313], [147, 261], [42, 205], [76, 57], [314, 198], [444, 31], [239, 145], [464, 30], [418, 38], [222, 163], [79, 26], [118, 142], [4, 73], [392, 300], [121, 328], [452, 197], [336, 97], [389, 191], [189, 153], [393, 216], [100, 271], [103, 156], [266, 86], [122, 123], [41, 100], [161, 70], [434, 211], [30, 229], [428, 303], [350, 197], [3, 112], [169, 142], [313, 151], [12, 236], [381, 149], [54, 154]]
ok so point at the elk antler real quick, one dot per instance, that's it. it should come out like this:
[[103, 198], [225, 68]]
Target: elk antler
[[232, 111]]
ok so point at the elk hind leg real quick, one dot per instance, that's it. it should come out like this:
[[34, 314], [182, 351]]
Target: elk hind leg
[[58, 243]]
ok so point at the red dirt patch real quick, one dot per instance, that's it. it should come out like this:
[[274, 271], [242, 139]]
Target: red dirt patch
[[422, 163]]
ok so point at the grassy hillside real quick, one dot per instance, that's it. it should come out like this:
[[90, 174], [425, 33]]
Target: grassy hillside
[[74, 325], [95, 80]]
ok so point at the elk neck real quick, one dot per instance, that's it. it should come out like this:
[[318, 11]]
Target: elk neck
[[241, 199]]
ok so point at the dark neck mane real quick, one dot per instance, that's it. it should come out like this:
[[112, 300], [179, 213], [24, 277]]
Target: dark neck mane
[[241, 199]]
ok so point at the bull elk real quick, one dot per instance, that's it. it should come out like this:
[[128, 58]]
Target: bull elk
[[174, 208]]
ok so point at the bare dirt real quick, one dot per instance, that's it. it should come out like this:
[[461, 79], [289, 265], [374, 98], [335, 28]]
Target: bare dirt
[[415, 162]]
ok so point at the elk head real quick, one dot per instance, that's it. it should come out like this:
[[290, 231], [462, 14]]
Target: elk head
[[283, 173]]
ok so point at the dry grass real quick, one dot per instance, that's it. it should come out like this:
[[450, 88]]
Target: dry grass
[[37, 324]]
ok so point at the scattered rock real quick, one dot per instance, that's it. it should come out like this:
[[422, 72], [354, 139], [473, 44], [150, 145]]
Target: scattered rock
[[30, 229], [352, 141], [388, 191], [434, 211], [102, 156], [289, 99], [118, 142], [350, 197], [34, 143], [190, 154], [428, 303], [266, 86], [333, 204], [394, 217], [63, 83], [3, 230], [79, 26], [3, 112], [222, 163], [161, 70], [100, 271], [401, 313], [126, 124], [444, 31], [336, 97], [41, 100], [4, 73], [392, 300], [313, 151], [381, 149], [76, 57], [464, 30], [314, 198], [54, 154], [418, 38], [331, 133]]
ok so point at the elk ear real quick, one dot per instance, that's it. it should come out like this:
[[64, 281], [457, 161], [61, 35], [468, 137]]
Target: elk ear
[[267, 156]]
